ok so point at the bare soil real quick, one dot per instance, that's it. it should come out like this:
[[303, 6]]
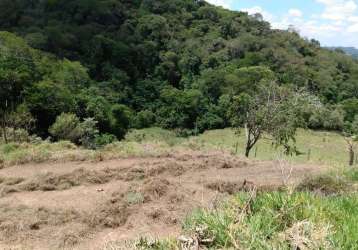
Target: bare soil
[[84, 205]]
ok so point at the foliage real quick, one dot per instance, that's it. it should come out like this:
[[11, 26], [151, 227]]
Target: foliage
[[89, 133], [69, 127], [144, 119], [104, 139], [66, 127], [121, 118], [272, 111], [175, 64]]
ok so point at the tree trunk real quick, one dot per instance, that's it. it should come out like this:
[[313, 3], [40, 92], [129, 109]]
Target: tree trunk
[[247, 151], [351, 156], [4, 134]]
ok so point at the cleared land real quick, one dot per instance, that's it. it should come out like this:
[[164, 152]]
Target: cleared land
[[59, 196], [82, 205]]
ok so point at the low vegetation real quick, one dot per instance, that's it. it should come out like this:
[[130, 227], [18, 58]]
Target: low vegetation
[[312, 147], [317, 213], [278, 220], [296, 219]]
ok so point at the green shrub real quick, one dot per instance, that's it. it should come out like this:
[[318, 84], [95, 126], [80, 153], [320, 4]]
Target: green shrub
[[89, 133], [18, 135], [104, 139], [210, 121], [352, 174], [8, 148], [66, 127], [144, 119], [120, 120]]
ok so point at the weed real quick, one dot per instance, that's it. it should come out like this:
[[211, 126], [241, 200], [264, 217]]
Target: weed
[[279, 220], [325, 184], [133, 198]]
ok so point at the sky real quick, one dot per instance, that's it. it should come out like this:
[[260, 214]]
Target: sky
[[332, 22]]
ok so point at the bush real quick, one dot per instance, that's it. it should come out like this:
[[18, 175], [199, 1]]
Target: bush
[[326, 184], [89, 133], [8, 148], [209, 121], [17, 135], [67, 127], [104, 139], [144, 119], [326, 119], [334, 120], [120, 120]]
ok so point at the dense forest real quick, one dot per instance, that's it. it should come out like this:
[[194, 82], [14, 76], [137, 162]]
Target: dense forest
[[177, 64]]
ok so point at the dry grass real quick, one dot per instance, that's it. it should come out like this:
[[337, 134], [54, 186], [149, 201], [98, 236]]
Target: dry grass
[[22, 223], [67, 227], [52, 182], [326, 184], [225, 187], [305, 235]]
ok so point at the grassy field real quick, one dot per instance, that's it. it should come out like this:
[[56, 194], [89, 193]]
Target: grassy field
[[315, 147]]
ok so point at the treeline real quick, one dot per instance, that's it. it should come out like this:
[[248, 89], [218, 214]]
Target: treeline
[[177, 64]]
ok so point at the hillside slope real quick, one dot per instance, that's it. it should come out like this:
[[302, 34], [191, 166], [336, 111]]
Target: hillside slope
[[175, 64], [348, 50]]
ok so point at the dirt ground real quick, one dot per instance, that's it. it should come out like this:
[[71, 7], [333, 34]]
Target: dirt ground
[[86, 204]]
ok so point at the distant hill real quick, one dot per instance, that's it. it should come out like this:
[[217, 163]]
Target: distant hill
[[171, 63], [348, 50]]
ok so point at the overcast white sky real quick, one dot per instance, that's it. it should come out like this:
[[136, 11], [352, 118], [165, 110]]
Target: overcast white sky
[[333, 22]]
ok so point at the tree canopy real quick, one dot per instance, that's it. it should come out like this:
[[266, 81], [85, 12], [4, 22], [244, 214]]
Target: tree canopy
[[175, 64]]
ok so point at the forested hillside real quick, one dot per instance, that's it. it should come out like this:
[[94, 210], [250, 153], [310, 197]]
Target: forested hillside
[[348, 50], [171, 63]]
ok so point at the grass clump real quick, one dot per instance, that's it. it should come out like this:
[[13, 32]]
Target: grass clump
[[81, 176], [154, 135], [334, 183], [142, 244], [278, 220], [351, 174], [22, 153], [133, 198], [326, 184]]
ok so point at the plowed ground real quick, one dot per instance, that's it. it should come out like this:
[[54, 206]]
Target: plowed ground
[[83, 205]]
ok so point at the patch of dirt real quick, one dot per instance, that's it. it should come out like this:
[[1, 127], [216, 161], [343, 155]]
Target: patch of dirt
[[83, 205], [225, 187]]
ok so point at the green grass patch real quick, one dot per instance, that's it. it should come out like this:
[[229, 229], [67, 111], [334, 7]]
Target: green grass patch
[[279, 220], [319, 147], [315, 147], [154, 135]]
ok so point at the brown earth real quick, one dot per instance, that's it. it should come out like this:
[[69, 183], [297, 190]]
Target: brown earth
[[83, 205]]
